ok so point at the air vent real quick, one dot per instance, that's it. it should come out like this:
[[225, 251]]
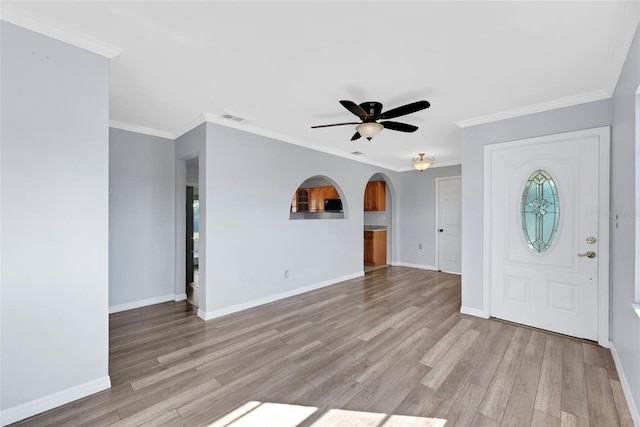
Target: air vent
[[232, 117], [357, 153]]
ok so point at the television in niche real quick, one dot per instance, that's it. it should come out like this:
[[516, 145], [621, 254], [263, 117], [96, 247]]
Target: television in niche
[[332, 205]]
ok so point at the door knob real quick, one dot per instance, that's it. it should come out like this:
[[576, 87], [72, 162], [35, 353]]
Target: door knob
[[441, 230], [588, 254]]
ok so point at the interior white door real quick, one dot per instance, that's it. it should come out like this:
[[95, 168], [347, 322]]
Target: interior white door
[[449, 211], [539, 277]]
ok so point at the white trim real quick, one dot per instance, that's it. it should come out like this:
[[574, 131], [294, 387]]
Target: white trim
[[141, 303], [420, 266], [207, 117], [261, 301], [436, 164], [437, 239], [636, 284], [536, 108], [450, 272], [180, 297], [42, 404], [473, 312], [140, 129], [633, 409], [603, 230], [603, 222], [92, 45], [256, 130]]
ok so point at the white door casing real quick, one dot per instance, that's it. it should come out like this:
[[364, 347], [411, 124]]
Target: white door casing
[[448, 221], [556, 290]]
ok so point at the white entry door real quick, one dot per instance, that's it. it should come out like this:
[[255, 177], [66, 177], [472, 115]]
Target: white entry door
[[449, 224], [548, 231]]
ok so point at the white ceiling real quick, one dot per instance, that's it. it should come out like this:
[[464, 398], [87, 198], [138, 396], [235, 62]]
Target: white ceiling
[[285, 65]]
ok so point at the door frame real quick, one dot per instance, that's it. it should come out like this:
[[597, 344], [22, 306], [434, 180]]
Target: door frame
[[437, 239], [604, 136]]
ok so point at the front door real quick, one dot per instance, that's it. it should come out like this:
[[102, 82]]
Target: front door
[[548, 243]]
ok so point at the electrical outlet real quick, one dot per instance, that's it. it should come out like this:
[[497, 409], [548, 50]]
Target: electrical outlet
[[419, 245], [286, 274]]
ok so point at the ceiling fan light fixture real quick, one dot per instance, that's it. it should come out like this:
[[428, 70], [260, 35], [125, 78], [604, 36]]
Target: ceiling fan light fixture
[[421, 163], [369, 129]]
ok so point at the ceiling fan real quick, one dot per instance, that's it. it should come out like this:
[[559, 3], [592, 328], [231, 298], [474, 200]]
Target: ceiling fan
[[371, 112]]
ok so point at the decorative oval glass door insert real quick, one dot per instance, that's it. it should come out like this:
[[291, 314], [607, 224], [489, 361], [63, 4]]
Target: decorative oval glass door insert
[[540, 208]]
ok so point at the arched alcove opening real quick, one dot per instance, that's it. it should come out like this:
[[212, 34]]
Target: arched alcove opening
[[318, 197], [378, 222]]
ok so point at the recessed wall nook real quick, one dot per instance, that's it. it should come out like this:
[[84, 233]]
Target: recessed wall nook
[[318, 197]]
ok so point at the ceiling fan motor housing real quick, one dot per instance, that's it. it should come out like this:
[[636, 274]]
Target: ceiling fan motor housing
[[373, 108]]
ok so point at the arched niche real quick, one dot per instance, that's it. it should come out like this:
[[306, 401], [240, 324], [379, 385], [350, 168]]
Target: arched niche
[[378, 210], [318, 197]]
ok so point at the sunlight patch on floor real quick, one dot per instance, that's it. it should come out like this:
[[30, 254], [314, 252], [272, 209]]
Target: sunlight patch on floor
[[266, 414], [342, 417]]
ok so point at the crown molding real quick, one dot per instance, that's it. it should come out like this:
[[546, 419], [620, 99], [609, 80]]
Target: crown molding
[[83, 42], [250, 128], [537, 108], [627, 27], [141, 129], [435, 164]]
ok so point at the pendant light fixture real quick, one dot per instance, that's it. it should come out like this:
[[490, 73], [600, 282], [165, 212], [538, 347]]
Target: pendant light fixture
[[421, 163]]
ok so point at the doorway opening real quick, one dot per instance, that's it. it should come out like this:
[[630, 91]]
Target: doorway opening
[[192, 244], [192, 235], [377, 223]]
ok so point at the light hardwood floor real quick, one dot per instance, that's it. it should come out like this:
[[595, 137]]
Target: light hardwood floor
[[388, 349]]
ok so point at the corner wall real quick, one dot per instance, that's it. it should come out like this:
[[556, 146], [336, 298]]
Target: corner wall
[[141, 220], [417, 201], [625, 330], [54, 222]]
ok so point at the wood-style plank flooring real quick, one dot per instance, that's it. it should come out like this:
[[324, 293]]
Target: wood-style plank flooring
[[388, 349]]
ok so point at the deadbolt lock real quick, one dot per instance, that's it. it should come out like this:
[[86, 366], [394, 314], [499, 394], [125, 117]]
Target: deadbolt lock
[[591, 240]]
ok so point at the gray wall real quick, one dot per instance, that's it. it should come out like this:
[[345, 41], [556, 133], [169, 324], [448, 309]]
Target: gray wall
[[417, 216], [192, 174], [584, 116], [141, 219], [54, 220], [625, 323], [188, 146], [250, 241]]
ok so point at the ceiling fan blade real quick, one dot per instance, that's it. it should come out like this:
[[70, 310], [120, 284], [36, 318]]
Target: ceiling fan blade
[[356, 136], [402, 127], [335, 124], [355, 109], [405, 109]]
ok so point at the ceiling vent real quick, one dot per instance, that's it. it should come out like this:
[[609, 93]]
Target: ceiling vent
[[232, 117]]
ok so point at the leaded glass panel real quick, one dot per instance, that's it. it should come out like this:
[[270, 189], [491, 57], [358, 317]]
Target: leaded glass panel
[[540, 209]]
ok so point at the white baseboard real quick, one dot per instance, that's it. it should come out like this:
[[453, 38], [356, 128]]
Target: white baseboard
[[473, 312], [142, 303], [421, 266], [260, 301], [180, 297], [625, 386], [37, 406]]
